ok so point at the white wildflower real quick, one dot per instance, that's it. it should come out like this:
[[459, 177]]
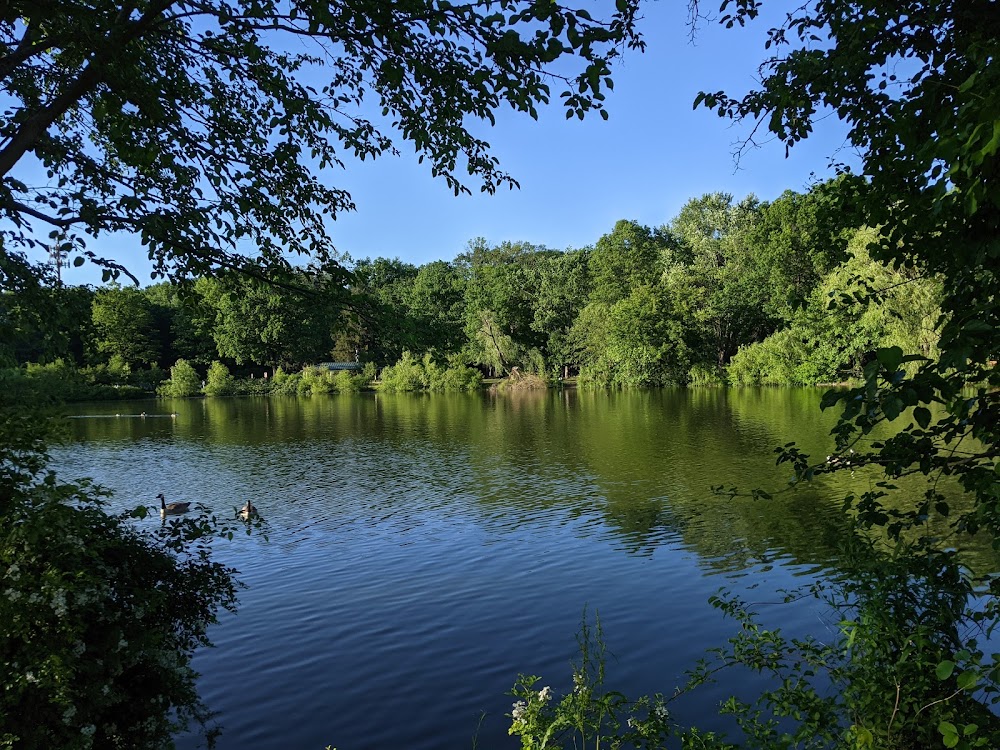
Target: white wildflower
[[518, 710], [30, 677], [632, 723], [660, 711], [68, 714], [545, 693], [12, 571], [88, 731], [12, 594], [59, 603]]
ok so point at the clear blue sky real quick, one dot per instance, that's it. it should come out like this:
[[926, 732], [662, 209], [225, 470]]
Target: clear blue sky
[[578, 178]]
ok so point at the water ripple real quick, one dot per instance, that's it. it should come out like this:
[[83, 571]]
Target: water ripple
[[422, 552]]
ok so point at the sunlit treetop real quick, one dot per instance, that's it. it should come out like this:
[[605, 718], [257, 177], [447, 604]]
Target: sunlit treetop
[[210, 129], [918, 85]]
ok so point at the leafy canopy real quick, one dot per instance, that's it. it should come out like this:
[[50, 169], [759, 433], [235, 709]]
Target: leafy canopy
[[205, 127]]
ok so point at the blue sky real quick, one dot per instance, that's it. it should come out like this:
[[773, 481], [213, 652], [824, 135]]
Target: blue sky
[[578, 178]]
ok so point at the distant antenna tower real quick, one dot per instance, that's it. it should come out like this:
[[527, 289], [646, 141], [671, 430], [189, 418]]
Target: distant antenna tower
[[57, 255]]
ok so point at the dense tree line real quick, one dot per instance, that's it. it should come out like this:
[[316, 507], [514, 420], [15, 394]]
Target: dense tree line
[[744, 291]]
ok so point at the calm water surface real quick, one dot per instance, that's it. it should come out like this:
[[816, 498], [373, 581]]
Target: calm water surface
[[424, 550]]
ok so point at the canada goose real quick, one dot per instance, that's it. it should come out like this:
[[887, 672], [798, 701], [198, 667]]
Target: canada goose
[[172, 509], [248, 511]]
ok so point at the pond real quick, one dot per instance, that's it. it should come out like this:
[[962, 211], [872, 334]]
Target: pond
[[424, 550]]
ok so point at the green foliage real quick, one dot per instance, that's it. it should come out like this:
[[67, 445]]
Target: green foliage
[[41, 321], [456, 377], [411, 374], [123, 324], [313, 380], [637, 341], [784, 358], [406, 375], [930, 185], [183, 323], [589, 715], [59, 380], [705, 375], [723, 275], [436, 302], [98, 623], [630, 256], [925, 406], [795, 241], [318, 380], [500, 299], [347, 382], [563, 289], [858, 307], [218, 381], [184, 381], [62, 381], [913, 318], [714, 277], [897, 676], [203, 128], [285, 383], [259, 322], [489, 345]]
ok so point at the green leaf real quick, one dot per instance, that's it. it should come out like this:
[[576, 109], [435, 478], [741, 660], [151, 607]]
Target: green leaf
[[969, 82], [892, 407], [949, 733], [922, 415], [944, 670], [891, 357], [967, 680], [864, 737], [977, 326], [78, 261]]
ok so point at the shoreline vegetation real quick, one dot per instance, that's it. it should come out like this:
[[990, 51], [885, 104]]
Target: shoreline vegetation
[[61, 382], [728, 292]]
